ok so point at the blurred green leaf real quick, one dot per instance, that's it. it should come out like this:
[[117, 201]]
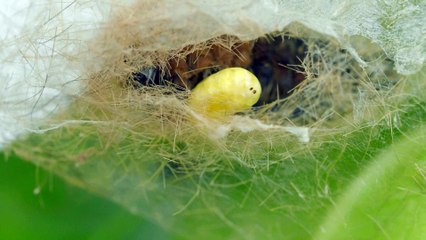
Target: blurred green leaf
[[60, 211], [387, 200]]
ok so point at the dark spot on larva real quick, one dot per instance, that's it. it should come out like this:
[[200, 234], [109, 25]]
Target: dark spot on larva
[[254, 91], [251, 88]]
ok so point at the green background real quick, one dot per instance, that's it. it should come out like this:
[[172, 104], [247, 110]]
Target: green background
[[60, 211]]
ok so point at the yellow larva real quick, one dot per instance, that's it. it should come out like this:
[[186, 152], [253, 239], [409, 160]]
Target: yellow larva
[[224, 93]]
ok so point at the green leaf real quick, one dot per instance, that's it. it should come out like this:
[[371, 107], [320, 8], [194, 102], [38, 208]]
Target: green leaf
[[387, 200], [360, 183], [36, 205]]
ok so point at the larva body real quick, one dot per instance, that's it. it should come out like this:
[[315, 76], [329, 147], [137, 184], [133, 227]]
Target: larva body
[[226, 92]]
